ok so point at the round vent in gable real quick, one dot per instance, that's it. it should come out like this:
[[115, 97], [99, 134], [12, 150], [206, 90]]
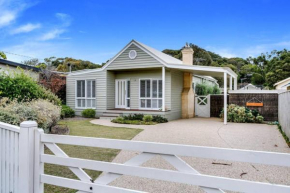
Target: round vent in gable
[[132, 54]]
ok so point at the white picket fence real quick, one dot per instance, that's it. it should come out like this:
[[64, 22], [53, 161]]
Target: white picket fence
[[32, 159], [9, 160]]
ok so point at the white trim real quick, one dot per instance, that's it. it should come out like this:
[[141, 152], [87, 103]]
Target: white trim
[[163, 88], [253, 91], [151, 92], [281, 81], [85, 98], [225, 98]]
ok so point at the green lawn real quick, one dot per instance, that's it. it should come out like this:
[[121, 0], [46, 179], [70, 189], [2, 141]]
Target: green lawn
[[85, 128]]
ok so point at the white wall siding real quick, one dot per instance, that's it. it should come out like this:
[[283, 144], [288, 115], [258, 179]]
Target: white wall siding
[[101, 91], [284, 111], [143, 60], [110, 90], [176, 90]]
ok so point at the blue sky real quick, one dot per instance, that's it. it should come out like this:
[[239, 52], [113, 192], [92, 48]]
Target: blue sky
[[97, 30]]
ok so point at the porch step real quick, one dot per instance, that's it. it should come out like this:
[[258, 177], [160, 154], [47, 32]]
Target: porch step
[[110, 115]]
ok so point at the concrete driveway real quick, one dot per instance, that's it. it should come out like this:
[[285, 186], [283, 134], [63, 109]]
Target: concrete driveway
[[207, 132]]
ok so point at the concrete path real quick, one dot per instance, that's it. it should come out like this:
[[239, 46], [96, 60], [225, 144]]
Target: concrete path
[[207, 132]]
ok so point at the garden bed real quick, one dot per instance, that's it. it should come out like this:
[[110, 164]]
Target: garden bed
[[140, 119]]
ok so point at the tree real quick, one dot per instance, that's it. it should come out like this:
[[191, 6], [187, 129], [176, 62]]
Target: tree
[[31, 62], [3, 55]]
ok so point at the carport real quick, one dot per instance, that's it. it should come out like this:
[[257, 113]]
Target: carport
[[228, 75]]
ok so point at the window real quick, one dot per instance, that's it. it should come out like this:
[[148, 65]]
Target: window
[[150, 94], [128, 94], [86, 94]]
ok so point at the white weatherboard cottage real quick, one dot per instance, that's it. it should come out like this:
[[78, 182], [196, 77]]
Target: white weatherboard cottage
[[140, 79]]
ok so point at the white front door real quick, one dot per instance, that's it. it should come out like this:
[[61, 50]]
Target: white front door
[[121, 93]]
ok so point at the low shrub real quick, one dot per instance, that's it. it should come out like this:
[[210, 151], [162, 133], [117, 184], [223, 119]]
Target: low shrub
[[240, 114], [67, 112], [147, 118], [206, 89], [89, 113], [159, 119], [42, 111], [19, 85], [121, 120]]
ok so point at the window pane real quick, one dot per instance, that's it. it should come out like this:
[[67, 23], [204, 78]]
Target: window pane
[[159, 88], [154, 88], [159, 103], [94, 88], [142, 103], [80, 84], [83, 102], [128, 89], [93, 103], [128, 102], [148, 105], [148, 88], [89, 88], [142, 88], [83, 88], [154, 103], [89, 103], [79, 103]]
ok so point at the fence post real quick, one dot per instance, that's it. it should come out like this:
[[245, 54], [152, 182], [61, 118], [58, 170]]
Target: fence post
[[26, 156], [38, 165]]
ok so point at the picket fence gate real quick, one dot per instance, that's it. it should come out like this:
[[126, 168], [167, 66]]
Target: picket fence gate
[[22, 163]]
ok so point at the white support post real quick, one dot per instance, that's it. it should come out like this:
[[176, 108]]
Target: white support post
[[235, 83], [26, 156], [38, 165], [225, 98], [163, 89], [231, 83]]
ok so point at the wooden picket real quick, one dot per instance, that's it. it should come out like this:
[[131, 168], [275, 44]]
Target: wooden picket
[[9, 152]]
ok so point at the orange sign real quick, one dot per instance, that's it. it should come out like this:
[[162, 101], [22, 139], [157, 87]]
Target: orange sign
[[254, 104]]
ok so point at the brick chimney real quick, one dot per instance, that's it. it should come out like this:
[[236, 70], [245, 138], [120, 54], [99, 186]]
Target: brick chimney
[[187, 95], [187, 55]]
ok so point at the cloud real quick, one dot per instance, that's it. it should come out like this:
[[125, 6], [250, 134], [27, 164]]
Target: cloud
[[26, 28], [6, 18], [10, 10], [64, 18], [52, 34]]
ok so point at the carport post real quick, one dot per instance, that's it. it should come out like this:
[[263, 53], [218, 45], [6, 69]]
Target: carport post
[[235, 83], [231, 83], [225, 97]]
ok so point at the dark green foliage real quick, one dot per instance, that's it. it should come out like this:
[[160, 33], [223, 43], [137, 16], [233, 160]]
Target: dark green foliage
[[255, 112], [138, 117], [67, 112], [147, 118], [159, 119], [205, 89], [21, 86], [257, 79], [89, 113], [121, 120]]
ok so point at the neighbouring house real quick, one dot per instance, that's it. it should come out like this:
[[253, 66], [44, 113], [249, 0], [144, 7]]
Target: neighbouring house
[[283, 84], [141, 79], [197, 79], [6, 65], [250, 87]]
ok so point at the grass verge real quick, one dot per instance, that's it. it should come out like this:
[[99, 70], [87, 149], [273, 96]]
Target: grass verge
[[86, 129], [284, 135]]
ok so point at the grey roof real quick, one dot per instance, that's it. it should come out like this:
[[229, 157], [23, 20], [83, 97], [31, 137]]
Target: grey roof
[[15, 64]]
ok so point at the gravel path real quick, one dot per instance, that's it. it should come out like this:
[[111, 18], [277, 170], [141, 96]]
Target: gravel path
[[206, 132]]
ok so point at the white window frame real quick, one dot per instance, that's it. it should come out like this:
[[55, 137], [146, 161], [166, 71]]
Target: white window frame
[[151, 93], [85, 98]]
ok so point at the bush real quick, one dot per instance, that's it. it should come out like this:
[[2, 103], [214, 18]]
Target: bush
[[42, 111], [239, 114], [138, 117], [159, 119], [89, 113], [19, 85], [205, 89], [259, 119], [147, 118], [67, 112], [121, 120]]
